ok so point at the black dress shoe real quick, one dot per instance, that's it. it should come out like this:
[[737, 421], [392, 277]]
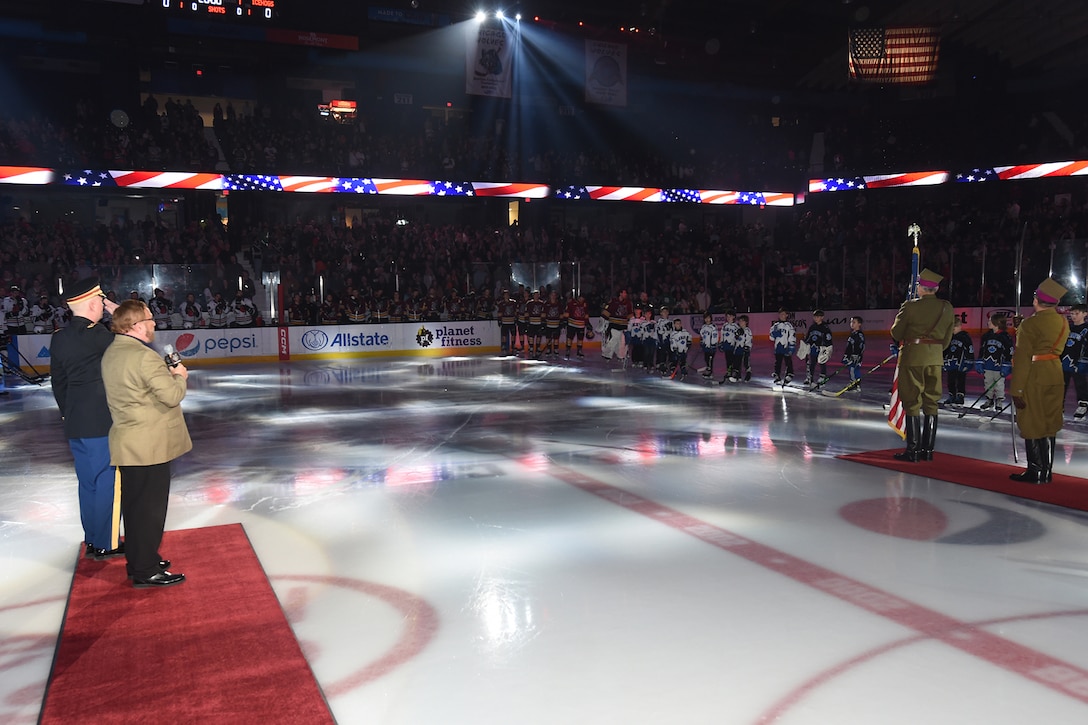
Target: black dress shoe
[[89, 551], [162, 579], [164, 564], [103, 554]]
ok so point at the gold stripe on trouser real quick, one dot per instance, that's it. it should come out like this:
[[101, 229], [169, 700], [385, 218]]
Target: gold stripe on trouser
[[115, 515]]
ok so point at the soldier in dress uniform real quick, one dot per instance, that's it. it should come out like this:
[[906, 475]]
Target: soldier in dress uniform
[[1037, 385], [76, 369], [923, 329]]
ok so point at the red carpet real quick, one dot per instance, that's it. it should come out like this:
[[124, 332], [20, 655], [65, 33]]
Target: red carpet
[[1062, 491], [215, 649]]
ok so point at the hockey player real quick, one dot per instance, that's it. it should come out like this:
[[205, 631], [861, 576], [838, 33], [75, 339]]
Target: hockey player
[[743, 351], [619, 311], [818, 345], [41, 315], [727, 341], [219, 312], [508, 320], [664, 332], [1075, 359], [995, 361], [553, 323], [679, 343], [243, 309], [190, 312], [646, 340], [161, 309], [785, 344], [534, 309], [577, 316], [959, 357], [636, 328], [708, 341], [855, 349], [523, 324]]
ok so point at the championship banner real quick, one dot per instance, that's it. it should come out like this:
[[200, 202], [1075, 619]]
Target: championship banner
[[489, 58], [606, 73]]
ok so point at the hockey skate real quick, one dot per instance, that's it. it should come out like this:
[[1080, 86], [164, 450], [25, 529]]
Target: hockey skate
[[808, 381], [776, 380], [1081, 411], [822, 381], [788, 379], [987, 405], [748, 376]]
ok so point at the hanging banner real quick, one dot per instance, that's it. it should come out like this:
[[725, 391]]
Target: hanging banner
[[606, 73], [489, 59]]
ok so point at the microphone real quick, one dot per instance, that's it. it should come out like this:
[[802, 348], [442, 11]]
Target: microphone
[[171, 356]]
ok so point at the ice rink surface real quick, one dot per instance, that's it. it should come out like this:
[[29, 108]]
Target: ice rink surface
[[486, 540]]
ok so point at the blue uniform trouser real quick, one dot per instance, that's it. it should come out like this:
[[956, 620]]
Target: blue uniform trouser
[[99, 492]]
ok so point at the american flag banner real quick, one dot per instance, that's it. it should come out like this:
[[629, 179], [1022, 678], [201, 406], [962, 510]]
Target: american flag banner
[[166, 180], [309, 184], [251, 182], [690, 196], [25, 175], [404, 187], [572, 192], [624, 193], [893, 55], [87, 178], [974, 176], [841, 183], [355, 185], [524, 191], [452, 188], [911, 178], [897, 417], [1043, 171]]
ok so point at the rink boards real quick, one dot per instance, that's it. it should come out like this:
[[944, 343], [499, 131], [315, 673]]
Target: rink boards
[[428, 339]]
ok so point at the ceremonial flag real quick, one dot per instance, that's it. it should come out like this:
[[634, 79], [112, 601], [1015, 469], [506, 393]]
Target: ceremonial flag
[[893, 55], [896, 415]]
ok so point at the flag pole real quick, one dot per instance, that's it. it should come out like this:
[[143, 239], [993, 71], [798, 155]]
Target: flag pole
[[896, 414]]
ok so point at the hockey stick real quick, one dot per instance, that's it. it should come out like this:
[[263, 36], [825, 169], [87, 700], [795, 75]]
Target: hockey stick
[[1012, 431], [856, 382], [980, 397]]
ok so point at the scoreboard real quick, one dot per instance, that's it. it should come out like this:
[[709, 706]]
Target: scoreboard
[[241, 9]]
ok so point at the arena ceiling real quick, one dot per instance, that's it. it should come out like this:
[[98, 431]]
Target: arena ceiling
[[803, 43]]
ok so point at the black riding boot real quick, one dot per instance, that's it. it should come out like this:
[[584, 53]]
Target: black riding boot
[[1046, 459], [913, 426], [929, 437], [1034, 471]]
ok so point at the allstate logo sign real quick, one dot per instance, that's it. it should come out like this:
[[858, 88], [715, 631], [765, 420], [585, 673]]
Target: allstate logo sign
[[314, 340], [424, 338]]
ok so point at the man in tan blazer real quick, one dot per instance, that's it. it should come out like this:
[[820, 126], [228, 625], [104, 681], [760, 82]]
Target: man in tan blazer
[[144, 397]]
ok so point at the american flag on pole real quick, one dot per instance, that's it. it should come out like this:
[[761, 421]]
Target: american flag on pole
[[897, 417], [894, 55]]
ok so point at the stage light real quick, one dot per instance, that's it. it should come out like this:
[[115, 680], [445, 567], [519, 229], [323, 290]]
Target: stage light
[[518, 17], [480, 16], [499, 14]]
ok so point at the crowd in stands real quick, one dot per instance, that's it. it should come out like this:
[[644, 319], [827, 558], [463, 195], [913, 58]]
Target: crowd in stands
[[841, 251], [753, 148]]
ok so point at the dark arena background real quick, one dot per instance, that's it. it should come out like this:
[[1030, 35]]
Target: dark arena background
[[399, 510]]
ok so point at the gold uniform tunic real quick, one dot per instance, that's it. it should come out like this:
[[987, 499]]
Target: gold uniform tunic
[[924, 327], [1037, 373]]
